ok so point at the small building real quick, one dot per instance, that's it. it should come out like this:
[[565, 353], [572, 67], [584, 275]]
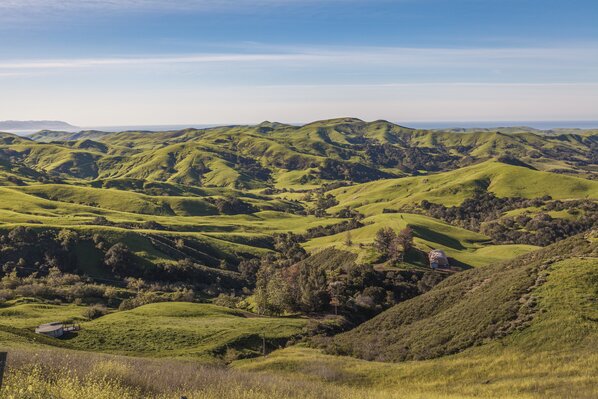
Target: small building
[[438, 259], [54, 329]]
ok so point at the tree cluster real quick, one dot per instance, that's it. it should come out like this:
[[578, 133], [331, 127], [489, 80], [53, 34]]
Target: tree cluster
[[484, 211], [351, 171], [331, 281], [232, 206], [540, 229], [322, 231], [410, 159], [393, 246]]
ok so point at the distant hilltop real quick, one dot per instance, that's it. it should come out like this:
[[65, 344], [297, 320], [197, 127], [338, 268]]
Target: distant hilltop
[[31, 126]]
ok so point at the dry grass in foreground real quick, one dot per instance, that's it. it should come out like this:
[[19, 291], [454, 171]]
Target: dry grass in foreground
[[61, 374]]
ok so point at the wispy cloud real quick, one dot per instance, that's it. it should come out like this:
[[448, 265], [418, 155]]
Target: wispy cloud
[[140, 4], [16, 12], [562, 61], [183, 59]]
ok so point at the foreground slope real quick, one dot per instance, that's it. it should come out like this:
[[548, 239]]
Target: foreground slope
[[552, 353], [466, 309], [554, 356]]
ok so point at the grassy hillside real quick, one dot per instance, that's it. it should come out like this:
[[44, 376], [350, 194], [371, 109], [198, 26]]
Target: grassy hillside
[[451, 188], [469, 308], [465, 246], [220, 195], [28, 315], [193, 330], [249, 156], [553, 356]]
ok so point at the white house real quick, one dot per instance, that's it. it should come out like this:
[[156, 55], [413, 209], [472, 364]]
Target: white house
[[438, 259], [54, 329]]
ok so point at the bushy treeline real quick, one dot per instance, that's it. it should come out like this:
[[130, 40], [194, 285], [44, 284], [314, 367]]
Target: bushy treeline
[[148, 225], [230, 205], [540, 229], [484, 211], [29, 253], [61, 287], [56, 285], [482, 207], [31, 250], [351, 171], [43, 263], [322, 231], [410, 159]]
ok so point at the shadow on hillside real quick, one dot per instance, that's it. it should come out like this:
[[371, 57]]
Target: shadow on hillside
[[458, 264], [68, 335], [434, 236]]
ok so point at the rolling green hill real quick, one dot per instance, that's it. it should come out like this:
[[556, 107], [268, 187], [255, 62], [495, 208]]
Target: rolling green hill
[[485, 304], [248, 156], [465, 246], [548, 348], [159, 330], [226, 191], [113, 230], [451, 188]]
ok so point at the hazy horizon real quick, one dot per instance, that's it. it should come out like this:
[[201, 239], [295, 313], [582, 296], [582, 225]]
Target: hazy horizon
[[542, 125], [96, 63], [430, 125]]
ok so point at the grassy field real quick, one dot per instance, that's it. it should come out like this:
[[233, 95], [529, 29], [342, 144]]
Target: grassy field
[[183, 329], [29, 313], [160, 330]]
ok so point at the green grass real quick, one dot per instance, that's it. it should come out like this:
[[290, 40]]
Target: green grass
[[569, 312], [21, 314], [166, 329], [182, 329], [451, 188], [504, 374], [468, 247], [554, 356], [464, 310]]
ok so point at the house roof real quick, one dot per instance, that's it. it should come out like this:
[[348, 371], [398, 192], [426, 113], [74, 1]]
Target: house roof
[[49, 327]]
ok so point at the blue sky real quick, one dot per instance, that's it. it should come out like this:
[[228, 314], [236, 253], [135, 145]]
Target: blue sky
[[119, 62]]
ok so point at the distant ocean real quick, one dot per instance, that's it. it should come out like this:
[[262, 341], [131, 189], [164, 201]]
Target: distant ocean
[[541, 125]]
